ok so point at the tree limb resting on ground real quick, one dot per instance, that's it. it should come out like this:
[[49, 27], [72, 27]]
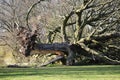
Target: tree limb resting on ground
[[99, 55]]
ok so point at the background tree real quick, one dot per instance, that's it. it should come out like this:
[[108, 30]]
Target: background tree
[[12, 16]]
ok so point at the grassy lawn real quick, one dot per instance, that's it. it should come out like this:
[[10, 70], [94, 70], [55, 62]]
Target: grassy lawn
[[102, 72]]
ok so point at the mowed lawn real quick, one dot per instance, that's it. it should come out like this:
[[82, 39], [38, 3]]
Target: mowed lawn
[[99, 72]]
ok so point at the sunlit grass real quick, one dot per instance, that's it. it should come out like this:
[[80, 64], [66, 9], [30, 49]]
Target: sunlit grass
[[106, 72]]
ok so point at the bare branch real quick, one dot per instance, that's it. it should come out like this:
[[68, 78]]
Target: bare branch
[[29, 11], [98, 55], [106, 36]]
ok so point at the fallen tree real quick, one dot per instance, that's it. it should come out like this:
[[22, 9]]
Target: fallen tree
[[92, 45], [68, 50]]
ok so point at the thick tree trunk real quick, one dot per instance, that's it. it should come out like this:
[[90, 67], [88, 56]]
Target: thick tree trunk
[[54, 46], [70, 51], [61, 49]]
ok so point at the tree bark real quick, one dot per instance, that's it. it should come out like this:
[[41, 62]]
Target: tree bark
[[63, 48], [53, 60]]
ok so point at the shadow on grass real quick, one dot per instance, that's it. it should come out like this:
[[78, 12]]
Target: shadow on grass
[[68, 70]]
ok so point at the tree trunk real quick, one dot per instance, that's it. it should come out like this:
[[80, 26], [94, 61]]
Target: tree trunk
[[71, 50], [61, 49], [53, 60]]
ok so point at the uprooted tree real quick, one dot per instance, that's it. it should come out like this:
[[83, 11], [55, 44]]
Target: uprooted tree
[[75, 28]]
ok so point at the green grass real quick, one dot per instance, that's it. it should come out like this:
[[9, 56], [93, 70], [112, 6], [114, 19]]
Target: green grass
[[104, 72]]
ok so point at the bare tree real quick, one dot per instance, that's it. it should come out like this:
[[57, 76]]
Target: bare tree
[[12, 16]]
